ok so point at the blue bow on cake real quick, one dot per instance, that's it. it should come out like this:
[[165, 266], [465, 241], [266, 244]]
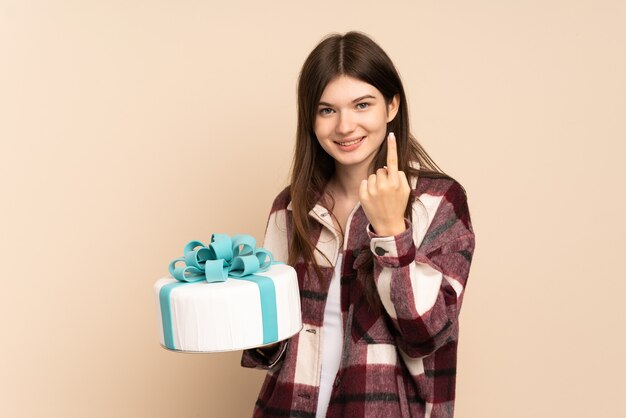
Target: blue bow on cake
[[224, 257]]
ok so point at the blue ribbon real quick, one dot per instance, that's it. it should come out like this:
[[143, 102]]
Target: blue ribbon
[[225, 257]]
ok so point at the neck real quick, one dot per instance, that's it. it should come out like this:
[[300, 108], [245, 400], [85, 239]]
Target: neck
[[347, 180]]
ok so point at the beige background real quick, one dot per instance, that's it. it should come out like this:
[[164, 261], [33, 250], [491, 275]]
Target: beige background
[[131, 127]]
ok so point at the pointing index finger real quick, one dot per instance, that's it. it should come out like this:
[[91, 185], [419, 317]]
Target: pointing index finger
[[392, 155]]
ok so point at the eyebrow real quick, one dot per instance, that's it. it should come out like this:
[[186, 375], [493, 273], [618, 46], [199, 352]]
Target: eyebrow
[[358, 99]]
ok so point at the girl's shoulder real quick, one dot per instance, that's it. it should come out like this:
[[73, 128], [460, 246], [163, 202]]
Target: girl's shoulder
[[436, 184], [445, 195], [282, 199]]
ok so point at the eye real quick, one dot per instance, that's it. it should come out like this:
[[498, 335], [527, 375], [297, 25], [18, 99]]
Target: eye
[[362, 106], [325, 111]]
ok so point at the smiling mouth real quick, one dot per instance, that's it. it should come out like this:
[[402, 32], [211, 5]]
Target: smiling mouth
[[348, 143]]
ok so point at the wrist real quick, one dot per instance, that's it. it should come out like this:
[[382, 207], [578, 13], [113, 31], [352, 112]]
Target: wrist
[[390, 230], [394, 251]]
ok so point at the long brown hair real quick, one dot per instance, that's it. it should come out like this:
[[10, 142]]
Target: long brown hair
[[356, 55]]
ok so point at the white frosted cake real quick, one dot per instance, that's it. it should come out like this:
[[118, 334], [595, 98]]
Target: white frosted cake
[[238, 313]]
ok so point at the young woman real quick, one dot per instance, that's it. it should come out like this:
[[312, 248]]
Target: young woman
[[382, 242]]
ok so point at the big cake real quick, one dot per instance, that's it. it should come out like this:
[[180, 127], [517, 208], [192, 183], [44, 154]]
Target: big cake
[[227, 296]]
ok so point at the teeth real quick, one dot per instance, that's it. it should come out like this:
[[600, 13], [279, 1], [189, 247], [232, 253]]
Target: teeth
[[345, 144]]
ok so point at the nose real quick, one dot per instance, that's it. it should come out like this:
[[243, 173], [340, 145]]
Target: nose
[[345, 123]]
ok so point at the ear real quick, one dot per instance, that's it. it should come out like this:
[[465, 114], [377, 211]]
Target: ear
[[392, 108]]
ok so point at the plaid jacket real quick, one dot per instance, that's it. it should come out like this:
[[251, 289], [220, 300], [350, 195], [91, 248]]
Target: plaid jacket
[[399, 361]]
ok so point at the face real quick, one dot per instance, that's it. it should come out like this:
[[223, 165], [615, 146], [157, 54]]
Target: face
[[351, 121]]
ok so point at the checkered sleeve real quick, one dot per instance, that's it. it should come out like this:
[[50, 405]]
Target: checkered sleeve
[[421, 287]]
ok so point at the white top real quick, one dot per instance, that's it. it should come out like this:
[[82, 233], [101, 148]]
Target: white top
[[332, 339]]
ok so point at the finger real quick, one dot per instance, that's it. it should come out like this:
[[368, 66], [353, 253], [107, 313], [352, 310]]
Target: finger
[[371, 184], [382, 178], [392, 155], [381, 174]]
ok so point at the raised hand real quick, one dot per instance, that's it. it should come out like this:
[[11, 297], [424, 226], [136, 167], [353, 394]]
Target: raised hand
[[385, 194]]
